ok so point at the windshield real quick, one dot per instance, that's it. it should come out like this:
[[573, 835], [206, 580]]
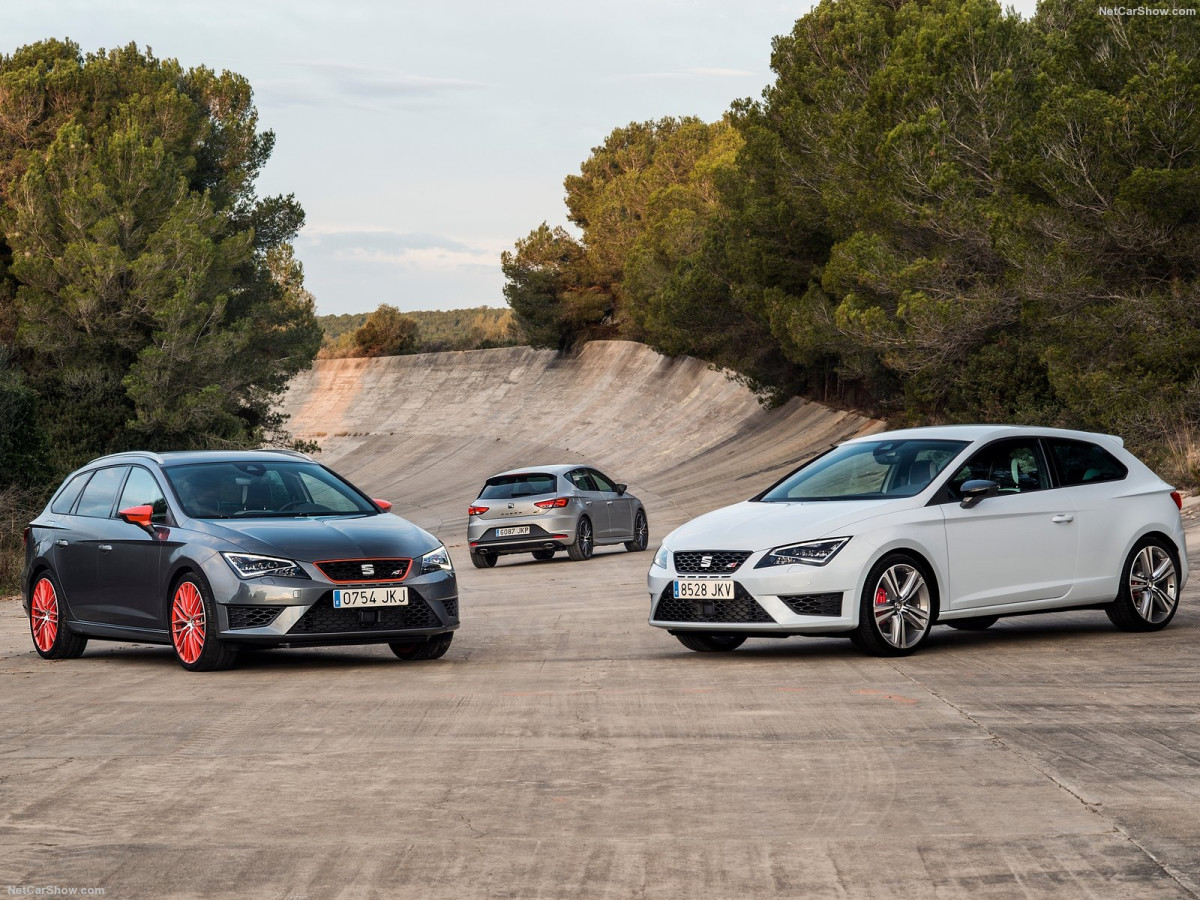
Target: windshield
[[506, 487], [874, 470], [228, 490]]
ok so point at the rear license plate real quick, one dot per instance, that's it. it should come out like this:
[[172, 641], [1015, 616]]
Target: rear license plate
[[704, 589], [511, 532], [371, 597]]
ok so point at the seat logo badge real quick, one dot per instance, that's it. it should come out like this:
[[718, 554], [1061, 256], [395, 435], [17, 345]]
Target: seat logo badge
[[706, 562], [512, 505], [368, 569]]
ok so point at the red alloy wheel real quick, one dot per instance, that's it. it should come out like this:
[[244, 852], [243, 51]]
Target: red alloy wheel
[[187, 622], [43, 615]]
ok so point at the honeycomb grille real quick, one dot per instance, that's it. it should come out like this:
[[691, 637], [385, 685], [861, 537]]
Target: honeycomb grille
[[742, 608], [322, 618], [357, 571], [721, 560], [252, 616], [814, 604], [451, 604]]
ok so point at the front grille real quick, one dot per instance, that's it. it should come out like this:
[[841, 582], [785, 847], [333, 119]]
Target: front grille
[[348, 571], [718, 560], [322, 618], [252, 616], [742, 608], [814, 604]]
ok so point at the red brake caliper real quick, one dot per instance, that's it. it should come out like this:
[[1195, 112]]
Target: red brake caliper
[[880, 597]]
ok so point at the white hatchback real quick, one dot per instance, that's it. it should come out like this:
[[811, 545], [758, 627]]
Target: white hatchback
[[884, 536]]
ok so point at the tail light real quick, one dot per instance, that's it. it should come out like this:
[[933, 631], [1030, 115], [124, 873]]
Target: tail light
[[556, 503], [1178, 500], [25, 537], [476, 510]]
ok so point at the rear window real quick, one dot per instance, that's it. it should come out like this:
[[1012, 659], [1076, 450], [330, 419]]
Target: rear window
[[507, 487], [66, 497], [1082, 463]]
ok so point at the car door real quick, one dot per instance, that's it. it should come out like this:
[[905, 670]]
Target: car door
[[594, 504], [620, 507], [129, 561], [1017, 546], [77, 552]]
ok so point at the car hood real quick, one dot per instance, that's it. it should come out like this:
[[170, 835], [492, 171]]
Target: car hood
[[760, 526], [341, 537]]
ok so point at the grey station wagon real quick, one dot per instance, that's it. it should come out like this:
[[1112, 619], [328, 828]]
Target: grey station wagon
[[212, 551]]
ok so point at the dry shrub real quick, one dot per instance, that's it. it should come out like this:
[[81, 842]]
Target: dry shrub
[[17, 506]]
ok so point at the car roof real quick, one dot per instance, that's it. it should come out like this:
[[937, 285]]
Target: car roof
[[183, 457], [555, 469], [975, 433]]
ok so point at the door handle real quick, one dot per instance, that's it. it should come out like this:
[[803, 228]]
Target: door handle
[[610, 503], [587, 502], [1062, 518], [60, 543], [105, 548]]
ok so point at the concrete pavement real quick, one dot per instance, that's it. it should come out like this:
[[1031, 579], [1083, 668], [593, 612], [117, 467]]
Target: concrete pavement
[[563, 748]]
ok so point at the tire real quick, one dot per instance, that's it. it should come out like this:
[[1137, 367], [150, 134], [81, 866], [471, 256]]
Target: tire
[[897, 606], [975, 623], [52, 639], [710, 643], [434, 648], [641, 534], [584, 541], [1149, 594], [544, 554], [481, 560], [192, 622]]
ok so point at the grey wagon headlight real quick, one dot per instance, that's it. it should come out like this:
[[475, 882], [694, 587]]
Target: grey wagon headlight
[[436, 560], [807, 553], [249, 565]]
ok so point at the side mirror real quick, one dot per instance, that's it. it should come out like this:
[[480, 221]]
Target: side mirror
[[139, 516], [621, 489], [976, 490], [382, 504]]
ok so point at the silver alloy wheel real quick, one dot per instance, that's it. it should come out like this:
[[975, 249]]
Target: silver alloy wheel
[[585, 537], [902, 606], [641, 532], [1153, 584]]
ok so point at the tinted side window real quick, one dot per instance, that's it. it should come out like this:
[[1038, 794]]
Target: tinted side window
[[142, 490], [581, 480], [602, 483], [1015, 465], [1082, 463], [101, 492], [66, 498]]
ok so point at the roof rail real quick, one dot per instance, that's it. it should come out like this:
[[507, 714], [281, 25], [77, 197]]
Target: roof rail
[[288, 452], [145, 454]]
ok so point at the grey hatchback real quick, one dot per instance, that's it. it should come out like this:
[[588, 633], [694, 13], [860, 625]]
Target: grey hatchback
[[549, 508], [211, 551]]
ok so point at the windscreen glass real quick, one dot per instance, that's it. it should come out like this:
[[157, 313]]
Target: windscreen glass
[[868, 471], [507, 487], [268, 489]]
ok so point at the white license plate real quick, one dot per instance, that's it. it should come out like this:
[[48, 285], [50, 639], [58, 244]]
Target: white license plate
[[511, 532], [371, 597], [704, 589]]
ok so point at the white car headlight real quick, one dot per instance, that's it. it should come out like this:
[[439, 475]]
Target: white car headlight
[[250, 565], [807, 553], [660, 558], [436, 560]]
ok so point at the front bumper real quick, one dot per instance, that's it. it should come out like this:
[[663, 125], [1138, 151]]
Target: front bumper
[[781, 600], [276, 611]]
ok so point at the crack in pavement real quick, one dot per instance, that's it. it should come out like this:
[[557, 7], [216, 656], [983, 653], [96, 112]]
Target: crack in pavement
[[1181, 879]]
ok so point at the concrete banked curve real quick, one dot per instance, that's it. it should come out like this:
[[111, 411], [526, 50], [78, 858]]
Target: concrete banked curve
[[424, 431]]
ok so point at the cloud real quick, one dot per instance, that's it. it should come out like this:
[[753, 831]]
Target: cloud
[[381, 246], [699, 72], [320, 83]]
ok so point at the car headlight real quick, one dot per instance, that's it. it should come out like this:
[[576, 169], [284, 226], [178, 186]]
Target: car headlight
[[436, 560], [249, 565], [660, 558], [807, 553]]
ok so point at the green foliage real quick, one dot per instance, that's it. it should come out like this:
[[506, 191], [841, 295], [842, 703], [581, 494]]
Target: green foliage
[[938, 211], [155, 300], [437, 330], [386, 332]]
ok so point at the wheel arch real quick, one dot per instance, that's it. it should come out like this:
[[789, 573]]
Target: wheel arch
[[933, 573]]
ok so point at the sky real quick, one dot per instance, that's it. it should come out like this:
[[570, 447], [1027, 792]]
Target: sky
[[425, 138]]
